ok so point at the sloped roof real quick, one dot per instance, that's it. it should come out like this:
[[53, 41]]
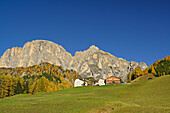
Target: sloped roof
[[114, 76]]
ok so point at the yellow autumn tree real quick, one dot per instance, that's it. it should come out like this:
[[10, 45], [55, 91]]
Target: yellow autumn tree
[[7, 86], [153, 71]]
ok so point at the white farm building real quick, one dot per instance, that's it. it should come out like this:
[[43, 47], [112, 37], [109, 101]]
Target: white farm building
[[100, 82], [79, 82]]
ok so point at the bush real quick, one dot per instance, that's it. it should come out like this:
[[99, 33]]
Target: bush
[[128, 81], [84, 84], [113, 82]]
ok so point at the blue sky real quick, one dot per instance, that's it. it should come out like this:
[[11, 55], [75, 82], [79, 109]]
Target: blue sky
[[136, 30]]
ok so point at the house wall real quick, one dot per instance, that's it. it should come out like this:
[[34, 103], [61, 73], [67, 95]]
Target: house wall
[[79, 82], [111, 79], [101, 82]]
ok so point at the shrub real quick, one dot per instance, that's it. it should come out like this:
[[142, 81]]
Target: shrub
[[113, 82]]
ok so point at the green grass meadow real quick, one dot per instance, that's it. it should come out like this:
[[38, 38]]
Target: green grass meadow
[[151, 96]]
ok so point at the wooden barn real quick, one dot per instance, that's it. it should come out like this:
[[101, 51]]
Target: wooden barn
[[113, 78]]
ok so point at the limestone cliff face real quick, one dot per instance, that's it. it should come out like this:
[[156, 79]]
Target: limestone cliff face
[[92, 62], [99, 64], [36, 52], [11, 57]]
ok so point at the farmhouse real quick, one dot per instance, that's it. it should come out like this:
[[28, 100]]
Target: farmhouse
[[111, 79], [79, 82], [99, 82]]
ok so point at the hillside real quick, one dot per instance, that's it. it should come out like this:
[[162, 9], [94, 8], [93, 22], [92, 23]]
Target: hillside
[[148, 76], [159, 68], [145, 96], [38, 78]]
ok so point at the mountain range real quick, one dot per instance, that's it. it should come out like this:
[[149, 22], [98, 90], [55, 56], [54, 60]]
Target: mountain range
[[92, 62]]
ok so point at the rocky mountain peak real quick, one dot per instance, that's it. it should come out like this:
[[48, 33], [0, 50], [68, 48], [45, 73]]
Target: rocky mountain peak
[[93, 48], [36, 52], [87, 52], [41, 43], [92, 62]]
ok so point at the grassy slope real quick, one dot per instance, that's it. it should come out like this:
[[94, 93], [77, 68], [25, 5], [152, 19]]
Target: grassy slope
[[145, 96], [144, 77]]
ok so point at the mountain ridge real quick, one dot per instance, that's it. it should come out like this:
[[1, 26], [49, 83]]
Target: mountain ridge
[[91, 62]]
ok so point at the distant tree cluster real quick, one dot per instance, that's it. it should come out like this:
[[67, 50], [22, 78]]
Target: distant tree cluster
[[136, 73], [159, 68], [38, 78]]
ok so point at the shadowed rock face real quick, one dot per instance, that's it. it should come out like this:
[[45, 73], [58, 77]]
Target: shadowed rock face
[[92, 62]]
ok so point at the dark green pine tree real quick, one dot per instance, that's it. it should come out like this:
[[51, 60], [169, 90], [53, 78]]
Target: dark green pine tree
[[26, 88], [18, 88]]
